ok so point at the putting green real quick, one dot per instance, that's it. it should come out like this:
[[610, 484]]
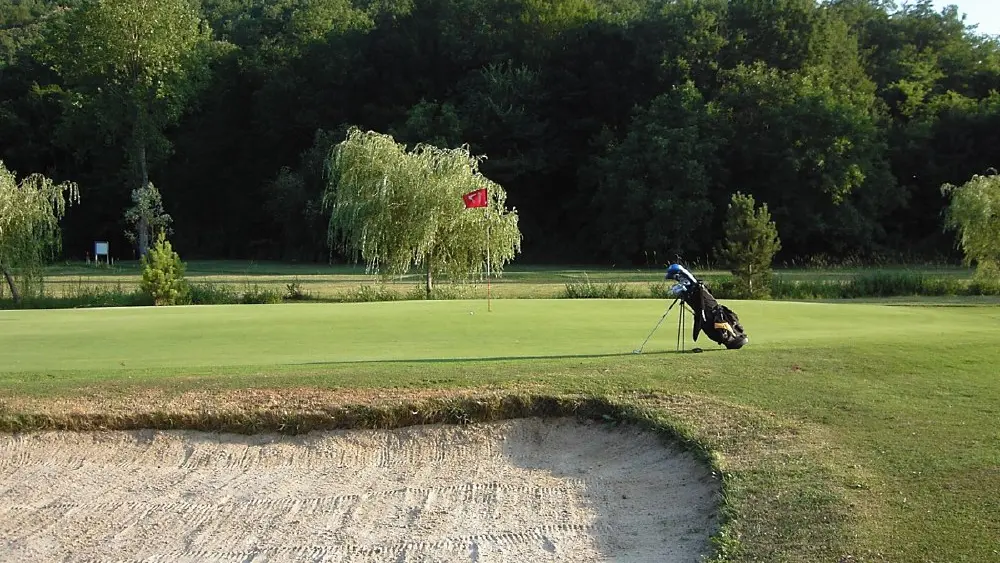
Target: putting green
[[109, 339]]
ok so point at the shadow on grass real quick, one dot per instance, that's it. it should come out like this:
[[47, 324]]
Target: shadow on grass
[[469, 359]]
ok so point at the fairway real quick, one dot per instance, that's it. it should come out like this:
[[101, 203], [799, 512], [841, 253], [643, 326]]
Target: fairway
[[107, 340]]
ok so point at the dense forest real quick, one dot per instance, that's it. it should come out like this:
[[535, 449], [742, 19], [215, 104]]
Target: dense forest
[[619, 128]]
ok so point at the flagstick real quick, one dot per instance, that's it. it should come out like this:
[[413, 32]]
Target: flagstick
[[489, 305]]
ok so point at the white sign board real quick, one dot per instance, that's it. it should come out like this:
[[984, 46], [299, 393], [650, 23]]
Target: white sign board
[[100, 248]]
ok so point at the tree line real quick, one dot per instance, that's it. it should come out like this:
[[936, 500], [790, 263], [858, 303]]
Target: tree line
[[620, 129]]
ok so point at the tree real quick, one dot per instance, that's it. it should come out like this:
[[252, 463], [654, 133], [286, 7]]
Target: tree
[[163, 274], [398, 209], [293, 201], [30, 211], [146, 213], [750, 244], [815, 154], [653, 189], [135, 64], [974, 212]]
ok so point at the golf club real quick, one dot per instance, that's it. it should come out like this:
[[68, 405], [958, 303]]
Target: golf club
[[639, 350]]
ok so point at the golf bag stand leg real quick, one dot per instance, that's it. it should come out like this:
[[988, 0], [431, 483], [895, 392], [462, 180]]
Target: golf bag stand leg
[[680, 330], [639, 350]]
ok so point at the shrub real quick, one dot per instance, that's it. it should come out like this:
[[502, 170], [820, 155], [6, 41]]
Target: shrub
[[214, 294], [371, 293], [295, 292], [749, 247], [981, 286], [440, 292], [163, 274], [228, 294], [588, 290], [943, 286], [659, 290], [257, 295]]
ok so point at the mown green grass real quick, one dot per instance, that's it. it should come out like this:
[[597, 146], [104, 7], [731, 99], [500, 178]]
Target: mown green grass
[[863, 430], [192, 336]]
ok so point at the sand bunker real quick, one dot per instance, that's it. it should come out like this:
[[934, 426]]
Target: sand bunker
[[515, 491]]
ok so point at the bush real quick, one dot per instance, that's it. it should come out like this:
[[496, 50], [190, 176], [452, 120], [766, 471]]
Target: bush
[[944, 286], [163, 275], [659, 290], [227, 294], [214, 294], [731, 287], [440, 292], [588, 290], [984, 287], [295, 292], [371, 293], [749, 247], [257, 295]]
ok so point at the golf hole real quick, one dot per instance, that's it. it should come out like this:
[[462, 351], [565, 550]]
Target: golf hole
[[512, 491]]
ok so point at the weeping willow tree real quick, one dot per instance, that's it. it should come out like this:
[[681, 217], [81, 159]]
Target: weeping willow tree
[[974, 212], [397, 209], [30, 211]]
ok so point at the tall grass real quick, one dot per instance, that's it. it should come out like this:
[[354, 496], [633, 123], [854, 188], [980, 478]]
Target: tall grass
[[875, 284], [381, 292], [229, 294], [82, 296], [870, 284], [590, 290]]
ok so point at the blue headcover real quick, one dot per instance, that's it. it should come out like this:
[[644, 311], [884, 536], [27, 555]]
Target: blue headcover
[[680, 274]]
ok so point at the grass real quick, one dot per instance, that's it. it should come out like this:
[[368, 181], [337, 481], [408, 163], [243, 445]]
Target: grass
[[80, 285], [858, 430]]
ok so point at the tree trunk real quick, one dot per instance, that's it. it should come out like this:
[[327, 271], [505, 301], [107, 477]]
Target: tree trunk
[[10, 282], [430, 284], [143, 220], [139, 146]]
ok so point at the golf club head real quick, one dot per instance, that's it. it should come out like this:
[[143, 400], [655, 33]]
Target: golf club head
[[637, 351]]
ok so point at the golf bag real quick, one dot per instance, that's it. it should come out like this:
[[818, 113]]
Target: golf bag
[[718, 322]]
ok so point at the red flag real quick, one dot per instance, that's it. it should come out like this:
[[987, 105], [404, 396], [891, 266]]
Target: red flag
[[475, 199]]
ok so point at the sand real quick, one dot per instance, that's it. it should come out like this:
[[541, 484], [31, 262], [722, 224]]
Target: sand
[[515, 491]]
